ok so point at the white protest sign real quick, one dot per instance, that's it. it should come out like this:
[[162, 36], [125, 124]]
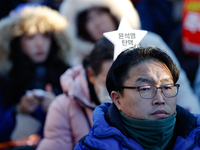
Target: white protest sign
[[124, 37]]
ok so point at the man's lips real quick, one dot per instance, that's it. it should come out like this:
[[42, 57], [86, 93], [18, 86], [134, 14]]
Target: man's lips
[[159, 114]]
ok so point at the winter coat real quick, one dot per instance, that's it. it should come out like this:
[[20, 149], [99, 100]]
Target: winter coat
[[118, 8], [44, 19], [108, 132], [70, 115], [18, 76]]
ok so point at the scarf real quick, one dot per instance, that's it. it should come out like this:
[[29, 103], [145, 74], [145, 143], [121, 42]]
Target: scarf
[[151, 134]]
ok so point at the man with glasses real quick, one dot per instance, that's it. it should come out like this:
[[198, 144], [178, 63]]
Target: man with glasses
[[144, 114]]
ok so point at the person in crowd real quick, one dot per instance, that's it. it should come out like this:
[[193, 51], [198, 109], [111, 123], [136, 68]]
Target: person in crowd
[[142, 83], [88, 20], [33, 49], [70, 115]]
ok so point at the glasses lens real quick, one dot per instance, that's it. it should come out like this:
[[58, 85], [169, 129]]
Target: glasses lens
[[147, 91], [170, 91]]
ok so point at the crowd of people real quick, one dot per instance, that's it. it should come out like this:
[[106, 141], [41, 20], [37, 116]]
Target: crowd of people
[[58, 78]]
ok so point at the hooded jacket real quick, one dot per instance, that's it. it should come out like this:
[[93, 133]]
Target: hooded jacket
[[18, 22], [118, 8], [28, 19], [70, 115], [71, 9], [108, 131]]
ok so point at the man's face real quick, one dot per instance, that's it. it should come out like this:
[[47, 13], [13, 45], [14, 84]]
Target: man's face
[[133, 105]]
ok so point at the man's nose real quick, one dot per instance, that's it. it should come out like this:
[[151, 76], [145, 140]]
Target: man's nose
[[159, 98]]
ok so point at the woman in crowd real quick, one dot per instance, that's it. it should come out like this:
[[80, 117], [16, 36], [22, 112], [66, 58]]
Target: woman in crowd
[[70, 115], [88, 20], [33, 48]]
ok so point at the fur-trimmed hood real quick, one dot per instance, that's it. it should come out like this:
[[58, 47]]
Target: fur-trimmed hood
[[29, 19], [71, 8]]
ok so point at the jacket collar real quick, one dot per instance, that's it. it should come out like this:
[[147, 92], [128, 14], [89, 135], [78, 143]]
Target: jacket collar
[[113, 118], [185, 121]]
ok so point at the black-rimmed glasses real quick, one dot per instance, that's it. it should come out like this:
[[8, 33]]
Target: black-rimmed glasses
[[150, 91]]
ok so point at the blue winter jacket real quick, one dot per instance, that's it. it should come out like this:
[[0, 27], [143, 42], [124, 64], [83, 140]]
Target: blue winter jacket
[[108, 132]]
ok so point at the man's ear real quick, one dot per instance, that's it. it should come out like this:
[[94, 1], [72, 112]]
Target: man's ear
[[115, 96], [91, 76]]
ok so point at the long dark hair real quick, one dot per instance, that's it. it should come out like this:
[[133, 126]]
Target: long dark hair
[[20, 78], [18, 57]]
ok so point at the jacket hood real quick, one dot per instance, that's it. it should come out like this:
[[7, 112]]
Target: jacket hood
[[30, 19], [118, 8], [74, 83]]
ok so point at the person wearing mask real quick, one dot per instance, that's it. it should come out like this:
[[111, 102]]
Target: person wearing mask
[[142, 83], [33, 49], [70, 115]]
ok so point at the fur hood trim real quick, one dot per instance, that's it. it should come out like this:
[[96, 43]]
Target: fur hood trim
[[118, 8], [30, 20]]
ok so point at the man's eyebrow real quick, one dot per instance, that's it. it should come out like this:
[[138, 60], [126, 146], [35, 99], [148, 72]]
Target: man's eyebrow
[[144, 80], [149, 80]]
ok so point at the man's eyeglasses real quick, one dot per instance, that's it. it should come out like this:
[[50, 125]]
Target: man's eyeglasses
[[150, 91]]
